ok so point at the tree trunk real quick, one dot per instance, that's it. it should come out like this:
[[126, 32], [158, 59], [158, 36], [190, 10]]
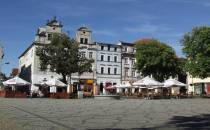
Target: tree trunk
[[64, 78], [70, 79]]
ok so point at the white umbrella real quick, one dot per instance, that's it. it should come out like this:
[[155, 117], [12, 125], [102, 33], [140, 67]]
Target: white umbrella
[[173, 82], [147, 81], [55, 82], [126, 85], [16, 81]]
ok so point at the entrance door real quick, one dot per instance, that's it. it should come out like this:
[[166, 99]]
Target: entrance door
[[101, 87]]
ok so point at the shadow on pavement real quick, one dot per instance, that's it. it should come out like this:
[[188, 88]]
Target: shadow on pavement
[[198, 122]]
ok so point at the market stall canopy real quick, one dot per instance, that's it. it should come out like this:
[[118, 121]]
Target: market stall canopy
[[126, 85], [55, 82], [17, 81], [147, 81], [173, 82]]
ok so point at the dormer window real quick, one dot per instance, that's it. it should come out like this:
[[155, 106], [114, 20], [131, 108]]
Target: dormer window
[[81, 40], [86, 40]]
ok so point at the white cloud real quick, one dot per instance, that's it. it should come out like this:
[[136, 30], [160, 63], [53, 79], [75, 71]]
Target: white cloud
[[171, 34], [145, 28], [206, 4], [105, 32], [120, 1], [65, 9], [139, 17]]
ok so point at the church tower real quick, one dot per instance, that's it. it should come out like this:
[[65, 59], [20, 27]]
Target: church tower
[[45, 34], [84, 35]]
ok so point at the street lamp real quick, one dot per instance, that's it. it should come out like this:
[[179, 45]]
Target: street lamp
[[94, 70]]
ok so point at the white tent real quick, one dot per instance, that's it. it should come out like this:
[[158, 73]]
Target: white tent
[[173, 82], [126, 85], [123, 86], [148, 82], [55, 82], [16, 81]]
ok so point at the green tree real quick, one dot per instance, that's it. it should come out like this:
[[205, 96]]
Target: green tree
[[62, 56], [196, 46], [182, 75], [84, 66], [156, 59]]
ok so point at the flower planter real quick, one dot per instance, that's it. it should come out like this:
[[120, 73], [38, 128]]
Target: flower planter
[[59, 95], [12, 94]]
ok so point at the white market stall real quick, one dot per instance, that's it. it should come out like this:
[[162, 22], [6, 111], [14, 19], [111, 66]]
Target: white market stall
[[15, 82], [125, 86], [20, 88], [174, 86], [54, 83]]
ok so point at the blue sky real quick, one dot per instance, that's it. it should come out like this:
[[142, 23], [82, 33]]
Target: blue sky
[[110, 21]]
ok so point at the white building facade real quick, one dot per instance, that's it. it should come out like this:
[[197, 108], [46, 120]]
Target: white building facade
[[198, 86], [108, 65], [129, 73], [29, 61]]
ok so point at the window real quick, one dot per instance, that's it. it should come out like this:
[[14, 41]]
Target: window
[[126, 49], [102, 70], [133, 61], [126, 72], [109, 69], [133, 73], [108, 58], [49, 36], [90, 55], [115, 70], [102, 57], [81, 40], [115, 49], [83, 54], [126, 60], [108, 48], [86, 40], [102, 47], [115, 58]]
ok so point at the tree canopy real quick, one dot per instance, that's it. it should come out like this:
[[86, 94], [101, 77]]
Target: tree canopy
[[196, 46], [156, 59], [62, 56]]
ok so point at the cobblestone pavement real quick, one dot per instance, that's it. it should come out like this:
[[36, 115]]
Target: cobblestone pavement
[[131, 114]]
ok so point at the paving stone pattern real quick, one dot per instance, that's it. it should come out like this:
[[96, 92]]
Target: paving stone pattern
[[89, 114]]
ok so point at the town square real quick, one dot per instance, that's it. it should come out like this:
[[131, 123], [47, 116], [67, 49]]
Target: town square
[[108, 64], [90, 114]]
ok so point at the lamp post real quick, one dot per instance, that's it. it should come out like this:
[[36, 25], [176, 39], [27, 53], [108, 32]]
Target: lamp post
[[94, 86]]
